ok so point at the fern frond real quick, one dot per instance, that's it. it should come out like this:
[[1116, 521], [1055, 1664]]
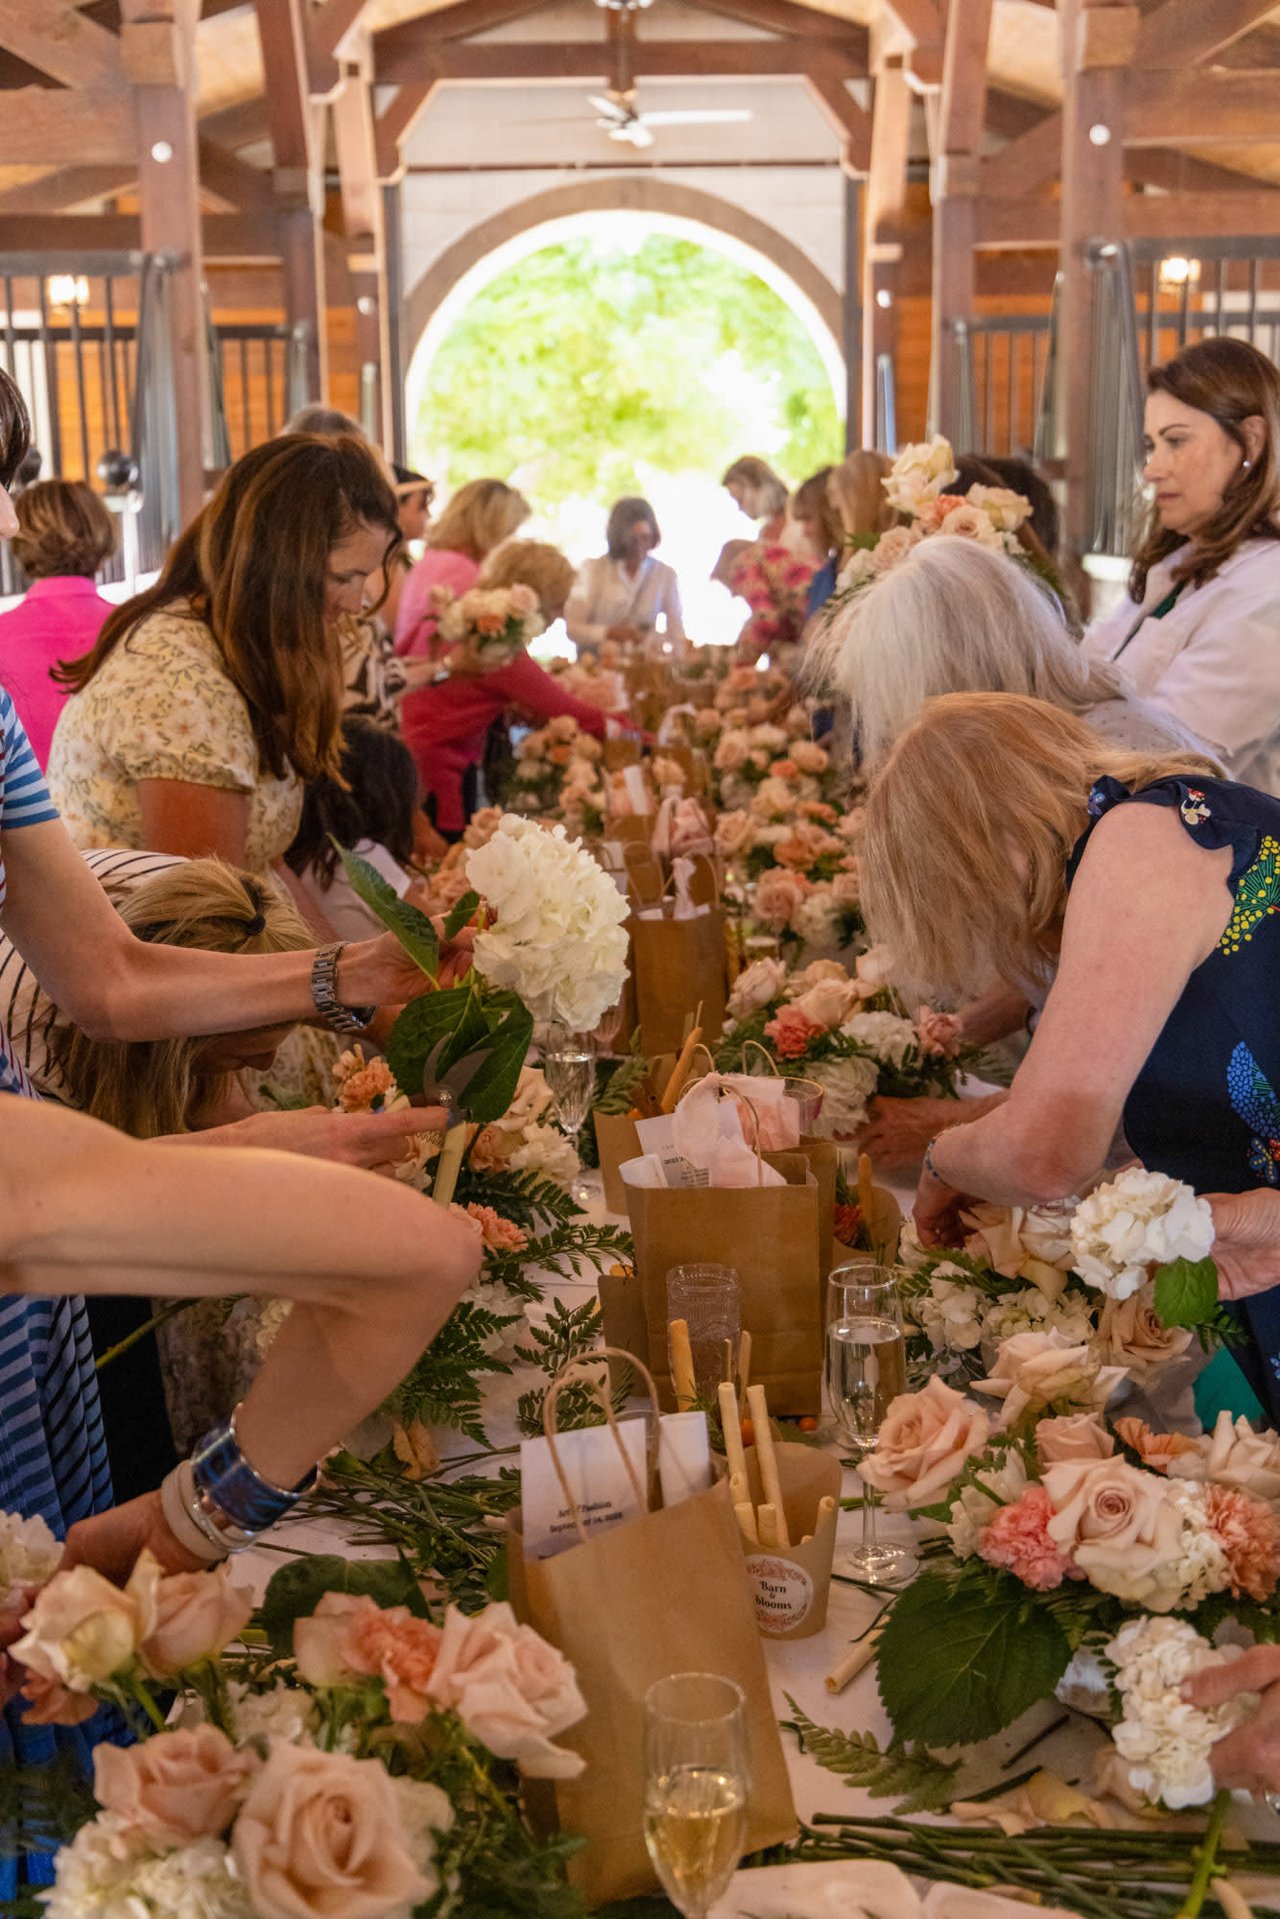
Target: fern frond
[[856, 1757]]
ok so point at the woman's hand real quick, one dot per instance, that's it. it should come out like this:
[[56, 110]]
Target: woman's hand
[[110, 1542], [1246, 1247], [376, 1141], [937, 1211], [379, 972], [624, 633], [1248, 1759]]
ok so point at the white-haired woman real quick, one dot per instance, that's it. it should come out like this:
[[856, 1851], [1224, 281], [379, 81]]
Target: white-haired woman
[[957, 617]]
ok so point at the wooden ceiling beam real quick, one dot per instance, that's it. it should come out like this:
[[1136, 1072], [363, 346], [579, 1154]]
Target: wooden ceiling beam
[[357, 166], [394, 124], [327, 27], [62, 42], [238, 185], [588, 60], [246, 237], [1031, 161], [787, 18], [457, 21], [851, 126], [1183, 32], [1175, 172], [57, 126], [1016, 223], [1164, 108], [1202, 216], [284, 59]]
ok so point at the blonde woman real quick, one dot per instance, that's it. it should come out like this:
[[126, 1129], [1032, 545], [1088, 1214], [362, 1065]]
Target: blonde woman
[[1005, 838], [761, 494], [478, 518], [856, 490]]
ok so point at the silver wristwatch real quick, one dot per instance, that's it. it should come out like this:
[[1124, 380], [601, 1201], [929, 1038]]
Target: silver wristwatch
[[324, 982]]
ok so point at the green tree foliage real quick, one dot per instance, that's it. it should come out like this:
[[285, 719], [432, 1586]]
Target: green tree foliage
[[591, 361]]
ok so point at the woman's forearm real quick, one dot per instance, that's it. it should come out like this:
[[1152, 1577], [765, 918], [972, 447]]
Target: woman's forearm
[[1015, 1159]]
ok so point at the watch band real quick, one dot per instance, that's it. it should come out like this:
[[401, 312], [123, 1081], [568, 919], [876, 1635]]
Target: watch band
[[324, 993]]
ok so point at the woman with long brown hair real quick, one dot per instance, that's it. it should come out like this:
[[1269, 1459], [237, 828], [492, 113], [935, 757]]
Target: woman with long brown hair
[[1004, 837], [1200, 630], [211, 697]]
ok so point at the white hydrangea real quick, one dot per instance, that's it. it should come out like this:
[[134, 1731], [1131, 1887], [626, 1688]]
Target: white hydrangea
[[29, 1553], [1137, 1220], [1028, 1311], [1165, 1742], [557, 938], [814, 920], [545, 1150], [104, 1874], [887, 1036], [849, 1084], [1001, 1483], [282, 1712], [950, 1315], [1203, 1567]]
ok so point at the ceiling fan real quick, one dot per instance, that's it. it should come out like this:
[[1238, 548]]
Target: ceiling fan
[[617, 114]]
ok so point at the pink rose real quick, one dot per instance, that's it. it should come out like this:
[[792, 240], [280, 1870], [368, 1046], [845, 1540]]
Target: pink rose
[[735, 833], [925, 1440], [1135, 1337], [320, 1836], [197, 1615], [846, 887], [1018, 1539], [792, 1032], [1073, 1436], [512, 1691], [777, 896], [731, 752], [755, 986], [349, 1636], [82, 1629], [1121, 1528], [175, 1787]]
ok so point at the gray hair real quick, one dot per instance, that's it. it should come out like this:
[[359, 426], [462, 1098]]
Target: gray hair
[[953, 617]]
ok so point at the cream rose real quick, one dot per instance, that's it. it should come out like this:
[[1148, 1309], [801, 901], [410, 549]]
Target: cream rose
[[925, 1440], [731, 751], [846, 887], [512, 1691], [776, 897], [735, 833], [322, 1834], [1135, 1337], [829, 1002], [174, 1788], [799, 983], [82, 1629], [1233, 1454], [755, 986], [1072, 1437], [197, 1615], [1121, 1529], [1045, 1369], [809, 756]]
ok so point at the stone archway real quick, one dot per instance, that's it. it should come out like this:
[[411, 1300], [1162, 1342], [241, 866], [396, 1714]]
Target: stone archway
[[533, 222]]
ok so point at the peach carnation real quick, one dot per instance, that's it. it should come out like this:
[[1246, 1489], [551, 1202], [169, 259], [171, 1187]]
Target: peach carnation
[[364, 1086], [349, 1636], [1249, 1534], [1157, 1450], [1018, 1539], [490, 1148], [792, 1032], [500, 1235]]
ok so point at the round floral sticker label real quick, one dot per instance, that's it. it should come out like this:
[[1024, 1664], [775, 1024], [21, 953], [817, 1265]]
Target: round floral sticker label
[[783, 1590]]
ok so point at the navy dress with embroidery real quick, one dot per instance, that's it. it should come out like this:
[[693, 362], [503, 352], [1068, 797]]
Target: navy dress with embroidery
[[1206, 1106]]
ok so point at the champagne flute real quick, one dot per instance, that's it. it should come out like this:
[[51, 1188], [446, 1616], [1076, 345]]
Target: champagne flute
[[866, 1368], [569, 1062], [696, 1786]]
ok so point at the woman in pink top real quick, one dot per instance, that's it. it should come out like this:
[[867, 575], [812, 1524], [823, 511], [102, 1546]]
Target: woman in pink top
[[479, 517], [444, 724], [64, 535]]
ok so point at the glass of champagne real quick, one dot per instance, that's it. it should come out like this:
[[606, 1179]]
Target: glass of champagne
[[866, 1368], [569, 1062], [696, 1786]]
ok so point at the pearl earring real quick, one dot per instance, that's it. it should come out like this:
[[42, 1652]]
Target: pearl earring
[[1246, 464]]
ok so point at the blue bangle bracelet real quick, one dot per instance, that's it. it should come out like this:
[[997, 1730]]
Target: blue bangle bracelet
[[224, 1476]]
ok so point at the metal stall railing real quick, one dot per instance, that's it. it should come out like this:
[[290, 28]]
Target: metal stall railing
[[1001, 362], [886, 421]]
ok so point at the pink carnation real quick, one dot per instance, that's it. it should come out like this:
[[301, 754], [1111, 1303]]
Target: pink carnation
[[1018, 1539], [792, 1032], [499, 1234], [1249, 1533]]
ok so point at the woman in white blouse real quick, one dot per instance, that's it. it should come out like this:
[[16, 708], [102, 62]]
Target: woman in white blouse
[[622, 595], [1199, 633]]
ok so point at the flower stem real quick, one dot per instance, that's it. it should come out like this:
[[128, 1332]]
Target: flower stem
[[169, 1310], [449, 1163], [1207, 1859]]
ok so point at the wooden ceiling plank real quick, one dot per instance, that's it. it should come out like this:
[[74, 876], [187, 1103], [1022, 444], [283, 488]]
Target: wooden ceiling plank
[[458, 21], [284, 58], [1182, 32], [586, 60], [1175, 172], [62, 42], [394, 124], [1030, 162], [1202, 216], [63, 126], [1164, 108], [851, 126], [327, 27], [786, 17], [231, 180], [920, 20]]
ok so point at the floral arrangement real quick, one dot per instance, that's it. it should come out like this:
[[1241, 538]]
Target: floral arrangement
[[842, 1030], [799, 865], [486, 627], [588, 680], [775, 585], [557, 773], [357, 1759], [1100, 1561]]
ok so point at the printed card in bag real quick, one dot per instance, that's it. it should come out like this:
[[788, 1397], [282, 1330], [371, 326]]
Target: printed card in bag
[[605, 1493]]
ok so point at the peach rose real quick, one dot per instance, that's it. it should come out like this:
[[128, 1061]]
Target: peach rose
[[809, 756], [731, 752], [925, 1440], [829, 1003], [174, 1788], [846, 887], [349, 1636], [1135, 1337], [1235, 1455], [755, 986], [197, 1615], [1045, 1369], [322, 1834], [512, 1691], [777, 896], [82, 1629], [1121, 1529], [735, 833], [1073, 1436], [1160, 1450]]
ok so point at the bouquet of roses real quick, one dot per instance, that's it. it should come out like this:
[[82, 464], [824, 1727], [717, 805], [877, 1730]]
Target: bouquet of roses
[[773, 758], [1068, 1551], [356, 1757], [840, 1029], [486, 627], [557, 773], [797, 863]]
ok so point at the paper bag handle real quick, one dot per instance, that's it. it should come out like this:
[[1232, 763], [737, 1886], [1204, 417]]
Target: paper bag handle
[[774, 1072], [567, 1376]]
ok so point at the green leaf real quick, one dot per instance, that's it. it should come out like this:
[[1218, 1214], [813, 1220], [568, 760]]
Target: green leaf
[[1186, 1292], [297, 1589], [460, 915], [960, 1660], [928, 1783], [475, 1046], [412, 928]]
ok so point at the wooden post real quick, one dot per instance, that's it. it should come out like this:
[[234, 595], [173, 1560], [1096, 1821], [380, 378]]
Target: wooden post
[[297, 177], [158, 47], [884, 205], [954, 183], [1097, 41], [355, 140]]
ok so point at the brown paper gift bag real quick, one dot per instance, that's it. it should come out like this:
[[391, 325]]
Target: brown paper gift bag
[[665, 1593], [772, 1236], [678, 965]]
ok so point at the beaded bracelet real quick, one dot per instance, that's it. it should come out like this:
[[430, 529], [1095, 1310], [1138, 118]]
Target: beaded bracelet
[[928, 1164]]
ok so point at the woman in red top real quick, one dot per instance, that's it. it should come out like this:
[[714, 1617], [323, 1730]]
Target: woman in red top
[[445, 723]]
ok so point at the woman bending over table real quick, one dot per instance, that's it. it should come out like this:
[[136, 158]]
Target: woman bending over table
[[1005, 838]]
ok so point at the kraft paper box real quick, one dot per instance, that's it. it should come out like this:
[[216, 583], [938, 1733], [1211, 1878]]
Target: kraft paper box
[[792, 1584]]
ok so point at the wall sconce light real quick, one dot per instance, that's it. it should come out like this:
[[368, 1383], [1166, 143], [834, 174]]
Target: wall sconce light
[[1176, 272], [68, 290]]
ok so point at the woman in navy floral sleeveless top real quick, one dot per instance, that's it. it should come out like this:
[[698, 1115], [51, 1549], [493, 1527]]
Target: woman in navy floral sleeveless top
[[1003, 837]]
